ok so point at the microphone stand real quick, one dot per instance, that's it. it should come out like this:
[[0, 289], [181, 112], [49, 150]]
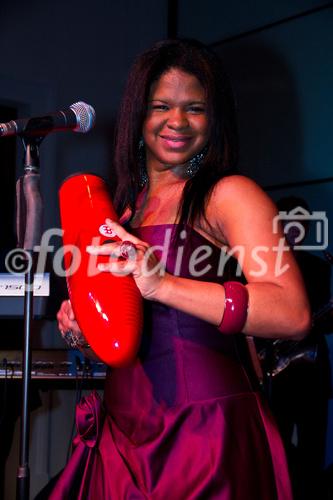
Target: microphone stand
[[29, 226]]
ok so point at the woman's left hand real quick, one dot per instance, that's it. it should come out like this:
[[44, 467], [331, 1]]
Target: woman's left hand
[[132, 256]]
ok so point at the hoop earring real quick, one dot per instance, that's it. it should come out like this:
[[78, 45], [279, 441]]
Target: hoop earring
[[195, 163], [142, 163]]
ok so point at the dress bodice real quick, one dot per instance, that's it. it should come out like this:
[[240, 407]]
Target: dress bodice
[[182, 358]]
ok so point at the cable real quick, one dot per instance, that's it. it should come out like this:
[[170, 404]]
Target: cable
[[284, 20], [78, 395], [4, 395]]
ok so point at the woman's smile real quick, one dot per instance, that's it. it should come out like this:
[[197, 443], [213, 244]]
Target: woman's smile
[[175, 142]]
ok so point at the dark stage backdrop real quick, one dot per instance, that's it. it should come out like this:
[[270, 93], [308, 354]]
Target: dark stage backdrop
[[55, 53]]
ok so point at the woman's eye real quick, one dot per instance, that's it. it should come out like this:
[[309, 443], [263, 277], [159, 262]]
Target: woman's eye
[[196, 109], [159, 107]]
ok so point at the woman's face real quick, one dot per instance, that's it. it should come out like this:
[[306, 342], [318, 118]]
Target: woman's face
[[176, 124]]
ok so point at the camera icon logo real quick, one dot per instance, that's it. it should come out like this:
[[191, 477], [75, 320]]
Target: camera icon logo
[[300, 223]]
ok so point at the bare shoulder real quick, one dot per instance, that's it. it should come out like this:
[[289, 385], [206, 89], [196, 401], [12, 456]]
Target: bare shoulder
[[238, 204], [236, 185], [239, 193]]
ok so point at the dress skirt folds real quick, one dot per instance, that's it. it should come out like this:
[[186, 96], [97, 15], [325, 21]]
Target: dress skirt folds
[[183, 422]]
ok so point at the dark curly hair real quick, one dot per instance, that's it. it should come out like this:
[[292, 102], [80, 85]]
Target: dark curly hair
[[194, 58]]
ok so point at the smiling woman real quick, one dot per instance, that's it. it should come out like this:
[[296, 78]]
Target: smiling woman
[[176, 125], [184, 420]]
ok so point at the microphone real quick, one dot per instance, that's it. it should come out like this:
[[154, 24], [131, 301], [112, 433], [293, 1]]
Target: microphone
[[80, 117]]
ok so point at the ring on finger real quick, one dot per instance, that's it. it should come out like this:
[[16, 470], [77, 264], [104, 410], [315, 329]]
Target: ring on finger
[[74, 341], [127, 250]]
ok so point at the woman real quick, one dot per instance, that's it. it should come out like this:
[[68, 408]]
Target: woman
[[183, 421]]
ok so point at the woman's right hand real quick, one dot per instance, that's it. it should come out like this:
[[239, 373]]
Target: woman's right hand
[[66, 319], [70, 330]]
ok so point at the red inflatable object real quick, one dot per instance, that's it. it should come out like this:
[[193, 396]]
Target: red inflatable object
[[107, 308]]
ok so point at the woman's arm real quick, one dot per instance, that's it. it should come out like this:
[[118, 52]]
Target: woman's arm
[[244, 214], [241, 214]]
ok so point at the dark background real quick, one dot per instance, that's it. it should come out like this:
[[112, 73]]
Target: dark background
[[278, 55]]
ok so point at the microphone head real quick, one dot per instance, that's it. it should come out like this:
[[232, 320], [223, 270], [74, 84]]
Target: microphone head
[[85, 116]]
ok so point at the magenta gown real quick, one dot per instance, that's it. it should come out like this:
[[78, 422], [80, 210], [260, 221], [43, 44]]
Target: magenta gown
[[183, 422]]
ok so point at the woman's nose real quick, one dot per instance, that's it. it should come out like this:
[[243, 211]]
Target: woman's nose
[[177, 119]]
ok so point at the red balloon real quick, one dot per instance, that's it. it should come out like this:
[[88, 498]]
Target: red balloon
[[107, 308]]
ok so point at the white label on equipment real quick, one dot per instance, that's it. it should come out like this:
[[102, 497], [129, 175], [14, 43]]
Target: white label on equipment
[[12, 285]]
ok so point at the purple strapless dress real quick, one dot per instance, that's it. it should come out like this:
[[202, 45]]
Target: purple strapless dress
[[183, 422]]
